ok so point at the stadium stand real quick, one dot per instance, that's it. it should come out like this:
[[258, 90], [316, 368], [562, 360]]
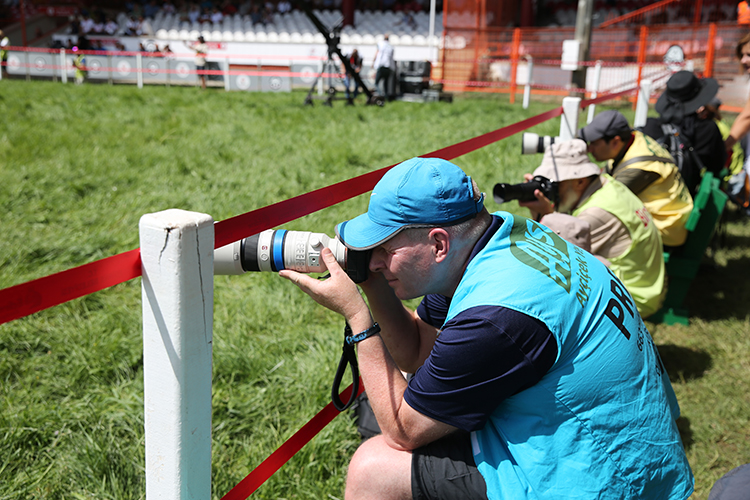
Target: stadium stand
[[291, 27]]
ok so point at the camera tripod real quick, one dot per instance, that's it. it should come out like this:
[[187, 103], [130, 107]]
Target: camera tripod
[[332, 40], [330, 68]]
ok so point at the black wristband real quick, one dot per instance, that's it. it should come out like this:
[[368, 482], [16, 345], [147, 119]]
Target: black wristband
[[354, 339]]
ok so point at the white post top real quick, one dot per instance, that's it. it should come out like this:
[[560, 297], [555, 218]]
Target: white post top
[[174, 218], [569, 119], [177, 249]]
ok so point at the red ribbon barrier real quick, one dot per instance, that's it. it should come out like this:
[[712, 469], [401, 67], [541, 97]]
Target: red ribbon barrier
[[27, 298], [269, 466], [34, 296]]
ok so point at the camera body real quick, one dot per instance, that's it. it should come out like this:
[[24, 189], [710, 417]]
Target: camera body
[[524, 191], [274, 250], [535, 143]]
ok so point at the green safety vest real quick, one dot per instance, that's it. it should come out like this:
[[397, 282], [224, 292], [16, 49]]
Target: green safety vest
[[641, 266]]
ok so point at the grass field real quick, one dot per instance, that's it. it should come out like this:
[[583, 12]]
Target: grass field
[[79, 165]]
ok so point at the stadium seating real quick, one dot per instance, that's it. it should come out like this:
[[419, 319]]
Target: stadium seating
[[296, 27]]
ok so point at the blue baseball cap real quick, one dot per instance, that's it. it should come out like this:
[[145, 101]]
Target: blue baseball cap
[[421, 192]]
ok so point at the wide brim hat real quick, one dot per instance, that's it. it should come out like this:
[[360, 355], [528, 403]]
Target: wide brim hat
[[567, 160], [685, 94]]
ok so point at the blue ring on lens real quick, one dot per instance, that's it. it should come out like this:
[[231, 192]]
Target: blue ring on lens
[[277, 248]]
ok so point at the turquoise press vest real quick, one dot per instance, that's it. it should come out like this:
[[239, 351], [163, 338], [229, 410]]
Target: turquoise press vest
[[601, 423]]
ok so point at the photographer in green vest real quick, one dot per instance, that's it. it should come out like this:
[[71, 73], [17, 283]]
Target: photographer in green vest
[[622, 230]]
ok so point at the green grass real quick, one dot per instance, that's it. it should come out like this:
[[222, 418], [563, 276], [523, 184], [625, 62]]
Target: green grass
[[79, 165]]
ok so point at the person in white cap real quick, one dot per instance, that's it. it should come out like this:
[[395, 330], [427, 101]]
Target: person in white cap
[[534, 375], [622, 230]]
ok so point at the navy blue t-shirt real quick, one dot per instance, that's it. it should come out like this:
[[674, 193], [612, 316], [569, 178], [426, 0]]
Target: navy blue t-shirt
[[482, 356]]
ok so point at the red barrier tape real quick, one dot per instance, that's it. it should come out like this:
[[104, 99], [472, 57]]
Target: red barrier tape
[[260, 474], [27, 298]]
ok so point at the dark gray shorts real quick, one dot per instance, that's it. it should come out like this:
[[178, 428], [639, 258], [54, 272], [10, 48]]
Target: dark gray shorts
[[445, 470]]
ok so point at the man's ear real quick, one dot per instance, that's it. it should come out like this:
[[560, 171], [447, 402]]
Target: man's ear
[[440, 243]]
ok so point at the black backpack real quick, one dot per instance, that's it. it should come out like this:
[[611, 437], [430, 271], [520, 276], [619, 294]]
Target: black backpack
[[688, 163]]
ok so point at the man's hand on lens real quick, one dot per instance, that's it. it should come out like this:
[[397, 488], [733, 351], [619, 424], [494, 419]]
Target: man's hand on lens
[[337, 293]]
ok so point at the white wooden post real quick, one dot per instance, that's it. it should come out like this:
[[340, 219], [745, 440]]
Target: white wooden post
[[569, 119], [63, 66], [597, 80], [527, 88], [641, 104], [139, 70], [177, 259], [226, 74]]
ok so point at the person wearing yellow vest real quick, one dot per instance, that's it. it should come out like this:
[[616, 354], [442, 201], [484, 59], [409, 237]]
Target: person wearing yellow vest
[[646, 168], [743, 13], [622, 230], [4, 42]]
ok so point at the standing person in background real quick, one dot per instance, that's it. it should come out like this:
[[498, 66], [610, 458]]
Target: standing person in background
[[355, 62], [383, 65], [201, 50]]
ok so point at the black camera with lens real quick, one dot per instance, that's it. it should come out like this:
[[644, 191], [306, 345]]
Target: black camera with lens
[[275, 250], [525, 190]]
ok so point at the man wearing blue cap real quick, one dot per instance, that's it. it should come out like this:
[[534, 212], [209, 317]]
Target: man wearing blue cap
[[534, 376]]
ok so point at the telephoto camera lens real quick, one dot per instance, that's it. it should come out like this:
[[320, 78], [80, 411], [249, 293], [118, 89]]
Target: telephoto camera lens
[[275, 250], [534, 143]]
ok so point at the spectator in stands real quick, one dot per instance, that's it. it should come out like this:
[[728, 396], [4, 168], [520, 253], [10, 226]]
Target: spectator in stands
[[216, 16], [98, 27], [228, 8], [87, 24], [245, 8], [168, 8], [384, 65], [647, 169], [533, 372], [194, 13], [355, 63], [111, 27], [256, 15], [679, 106], [284, 7], [201, 51], [133, 27], [151, 9], [622, 230], [75, 26], [407, 20]]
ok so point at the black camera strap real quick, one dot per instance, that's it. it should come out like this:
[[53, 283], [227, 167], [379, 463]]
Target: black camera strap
[[348, 356]]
